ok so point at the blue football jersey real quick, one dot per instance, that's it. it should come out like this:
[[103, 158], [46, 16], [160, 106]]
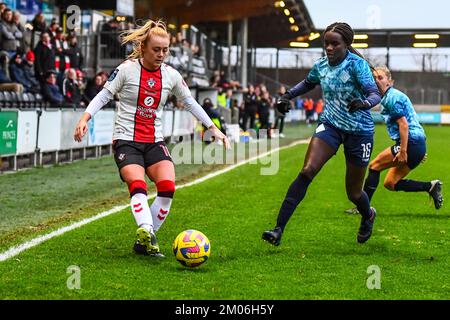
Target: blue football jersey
[[394, 105], [349, 80]]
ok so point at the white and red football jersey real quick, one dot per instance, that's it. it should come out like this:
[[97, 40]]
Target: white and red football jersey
[[142, 96]]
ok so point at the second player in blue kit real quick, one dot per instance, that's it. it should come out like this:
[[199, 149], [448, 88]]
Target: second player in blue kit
[[409, 149], [349, 92]]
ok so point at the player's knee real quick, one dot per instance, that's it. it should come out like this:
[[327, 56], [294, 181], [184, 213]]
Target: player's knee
[[137, 186], [291, 202], [390, 184], [165, 188], [309, 172], [354, 196]]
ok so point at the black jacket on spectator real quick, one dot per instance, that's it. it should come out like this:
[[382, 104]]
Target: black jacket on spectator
[[45, 60], [91, 91], [71, 92], [75, 56], [39, 26]]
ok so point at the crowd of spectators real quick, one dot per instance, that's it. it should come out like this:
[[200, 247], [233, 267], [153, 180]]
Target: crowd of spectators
[[42, 59], [51, 67], [258, 108]]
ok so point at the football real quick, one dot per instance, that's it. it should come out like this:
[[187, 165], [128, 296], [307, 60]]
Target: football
[[191, 248]]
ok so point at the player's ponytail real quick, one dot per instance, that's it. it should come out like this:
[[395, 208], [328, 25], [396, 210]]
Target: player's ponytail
[[138, 36]]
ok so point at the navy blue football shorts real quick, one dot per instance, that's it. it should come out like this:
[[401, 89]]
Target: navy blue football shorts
[[143, 154], [357, 148], [416, 152]]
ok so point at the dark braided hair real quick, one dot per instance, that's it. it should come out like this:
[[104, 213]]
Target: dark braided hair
[[347, 34]]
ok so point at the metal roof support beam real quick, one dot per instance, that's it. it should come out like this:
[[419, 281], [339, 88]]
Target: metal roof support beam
[[230, 43], [244, 47]]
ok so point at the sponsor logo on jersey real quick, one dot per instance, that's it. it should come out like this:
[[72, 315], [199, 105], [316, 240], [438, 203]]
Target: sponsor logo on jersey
[[148, 101], [146, 113]]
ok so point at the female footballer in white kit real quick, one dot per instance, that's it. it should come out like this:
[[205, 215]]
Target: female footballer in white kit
[[143, 84]]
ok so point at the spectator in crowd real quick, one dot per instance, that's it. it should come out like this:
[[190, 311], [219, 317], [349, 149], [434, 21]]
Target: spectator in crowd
[[6, 84], [93, 88], [223, 81], [45, 57], [319, 108], [299, 104], [215, 116], [215, 79], [221, 98], [39, 26], [74, 53], [263, 88], [17, 73], [2, 8], [23, 44], [9, 34], [229, 98], [71, 90], [81, 81], [104, 76], [110, 38], [53, 29], [264, 105], [279, 117], [250, 107], [51, 90], [186, 46], [39, 23], [62, 59], [29, 72], [195, 51], [241, 107], [308, 104], [220, 80]]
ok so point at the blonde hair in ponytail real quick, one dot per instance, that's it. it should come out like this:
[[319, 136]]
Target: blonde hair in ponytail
[[138, 36]]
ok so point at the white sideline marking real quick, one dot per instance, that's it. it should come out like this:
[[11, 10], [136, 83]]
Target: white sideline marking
[[15, 250]]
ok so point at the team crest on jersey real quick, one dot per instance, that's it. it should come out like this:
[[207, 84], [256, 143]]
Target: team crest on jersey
[[344, 76], [151, 83], [148, 101]]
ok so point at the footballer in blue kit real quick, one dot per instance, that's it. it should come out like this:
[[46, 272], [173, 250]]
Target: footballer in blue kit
[[349, 92], [409, 149]]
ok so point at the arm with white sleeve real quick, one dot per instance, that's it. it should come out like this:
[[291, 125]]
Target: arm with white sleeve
[[100, 100], [193, 107], [112, 87], [182, 92]]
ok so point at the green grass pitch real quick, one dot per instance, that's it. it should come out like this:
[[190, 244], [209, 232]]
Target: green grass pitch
[[319, 257]]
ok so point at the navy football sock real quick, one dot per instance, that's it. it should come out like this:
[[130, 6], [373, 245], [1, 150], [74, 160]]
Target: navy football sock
[[294, 196], [371, 183], [363, 205], [412, 186]]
